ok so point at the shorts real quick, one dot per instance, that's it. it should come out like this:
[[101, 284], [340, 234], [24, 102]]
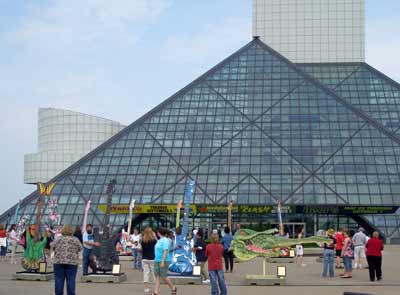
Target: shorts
[[338, 253], [359, 252], [299, 250], [161, 272]]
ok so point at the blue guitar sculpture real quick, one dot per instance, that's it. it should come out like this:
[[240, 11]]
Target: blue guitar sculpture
[[183, 259]]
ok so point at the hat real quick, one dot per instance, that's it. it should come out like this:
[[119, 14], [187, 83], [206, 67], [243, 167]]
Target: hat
[[215, 231], [330, 231], [361, 229]]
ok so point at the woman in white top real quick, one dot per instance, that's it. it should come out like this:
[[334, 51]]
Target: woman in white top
[[299, 249], [13, 240], [136, 238]]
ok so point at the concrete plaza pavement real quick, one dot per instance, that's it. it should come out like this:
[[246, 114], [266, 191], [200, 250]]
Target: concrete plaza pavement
[[300, 280]]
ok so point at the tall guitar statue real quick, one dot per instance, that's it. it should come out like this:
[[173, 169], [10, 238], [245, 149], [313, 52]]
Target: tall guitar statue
[[230, 208], [85, 215], [279, 211], [183, 258], [105, 256], [179, 206], [35, 243], [125, 235]]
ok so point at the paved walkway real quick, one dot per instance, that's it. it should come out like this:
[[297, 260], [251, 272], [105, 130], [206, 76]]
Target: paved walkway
[[301, 280]]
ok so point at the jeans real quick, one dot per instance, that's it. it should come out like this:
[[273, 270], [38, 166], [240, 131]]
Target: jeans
[[375, 267], [217, 280], [228, 257], [348, 264], [85, 260], [329, 260], [137, 259], [64, 272]]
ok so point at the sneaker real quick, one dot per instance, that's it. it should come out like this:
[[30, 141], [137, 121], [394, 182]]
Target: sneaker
[[303, 265], [206, 281]]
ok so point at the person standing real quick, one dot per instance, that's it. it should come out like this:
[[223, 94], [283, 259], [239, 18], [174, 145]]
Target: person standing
[[237, 228], [374, 248], [200, 249], [13, 240], [136, 250], [162, 260], [214, 253], [329, 255], [339, 246], [66, 258], [228, 254], [148, 243], [88, 244], [299, 249], [359, 241], [347, 254], [3, 243], [78, 233]]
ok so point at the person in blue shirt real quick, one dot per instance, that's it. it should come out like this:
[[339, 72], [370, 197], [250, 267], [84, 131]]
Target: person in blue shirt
[[162, 260], [228, 254]]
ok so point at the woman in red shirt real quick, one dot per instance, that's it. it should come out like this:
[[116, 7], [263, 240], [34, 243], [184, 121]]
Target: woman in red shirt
[[374, 248], [3, 243], [215, 252]]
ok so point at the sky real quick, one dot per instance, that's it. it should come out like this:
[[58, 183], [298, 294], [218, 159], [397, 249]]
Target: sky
[[119, 59]]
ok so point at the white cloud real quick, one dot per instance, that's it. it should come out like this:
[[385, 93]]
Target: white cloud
[[71, 26], [212, 40], [62, 53]]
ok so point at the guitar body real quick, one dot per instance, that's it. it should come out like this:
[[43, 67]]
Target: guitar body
[[106, 254], [183, 258]]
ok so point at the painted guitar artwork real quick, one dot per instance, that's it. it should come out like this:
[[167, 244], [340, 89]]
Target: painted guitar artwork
[[126, 235], [230, 208], [106, 255], [85, 215], [179, 206], [34, 243], [183, 259]]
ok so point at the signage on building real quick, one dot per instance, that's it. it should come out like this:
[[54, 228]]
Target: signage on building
[[346, 210], [253, 209], [144, 209]]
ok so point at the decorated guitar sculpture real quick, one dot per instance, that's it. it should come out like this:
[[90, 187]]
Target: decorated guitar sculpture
[[248, 244], [179, 206], [105, 256], [35, 244], [125, 235], [85, 215], [183, 259]]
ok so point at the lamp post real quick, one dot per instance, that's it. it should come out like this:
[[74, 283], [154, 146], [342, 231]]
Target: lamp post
[[230, 206]]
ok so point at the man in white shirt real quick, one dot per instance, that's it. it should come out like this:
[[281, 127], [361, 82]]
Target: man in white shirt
[[88, 244], [359, 241]]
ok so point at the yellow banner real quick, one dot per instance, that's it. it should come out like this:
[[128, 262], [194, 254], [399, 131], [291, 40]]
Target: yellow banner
[[143, 209]]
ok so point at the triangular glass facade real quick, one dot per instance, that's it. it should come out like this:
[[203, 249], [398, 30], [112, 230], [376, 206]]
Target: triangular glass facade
[[379, 97], [253, 130]]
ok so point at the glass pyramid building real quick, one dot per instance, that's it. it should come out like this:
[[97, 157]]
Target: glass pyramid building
[[255, 129]]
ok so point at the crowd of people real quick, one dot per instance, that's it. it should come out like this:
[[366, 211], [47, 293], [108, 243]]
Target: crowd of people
[[152, 254], [343, 246]]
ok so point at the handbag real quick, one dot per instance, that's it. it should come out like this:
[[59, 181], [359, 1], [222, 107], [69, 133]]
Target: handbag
[[22, 241]]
